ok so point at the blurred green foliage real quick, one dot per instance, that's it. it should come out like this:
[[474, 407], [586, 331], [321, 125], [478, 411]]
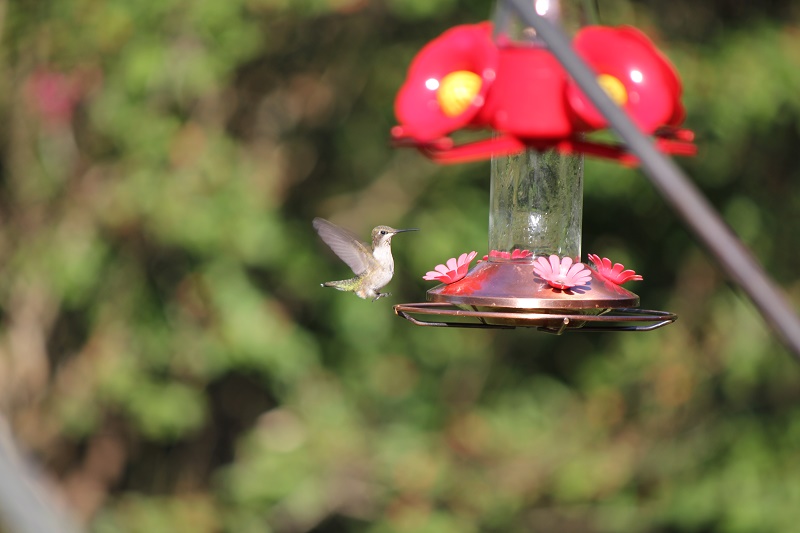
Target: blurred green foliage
[[168, 356]]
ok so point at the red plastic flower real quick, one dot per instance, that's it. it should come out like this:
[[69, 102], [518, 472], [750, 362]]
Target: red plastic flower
[[454, 270], [516, 253], [468, 285], [561, 273], [439, 95], [633, 73], [616, 274]]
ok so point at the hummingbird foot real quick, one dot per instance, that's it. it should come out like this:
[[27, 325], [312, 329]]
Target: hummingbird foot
[[380, 295]]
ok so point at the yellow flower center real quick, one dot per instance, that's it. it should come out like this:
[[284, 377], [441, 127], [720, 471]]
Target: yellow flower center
[[457, 90], [613, 88]]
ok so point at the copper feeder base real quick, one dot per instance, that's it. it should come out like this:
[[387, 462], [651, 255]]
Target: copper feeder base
[[508, 294]]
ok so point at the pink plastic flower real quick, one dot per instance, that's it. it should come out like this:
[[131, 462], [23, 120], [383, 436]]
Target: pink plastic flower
[[454, 270], [616, 274], [561, 273], [514, 254]]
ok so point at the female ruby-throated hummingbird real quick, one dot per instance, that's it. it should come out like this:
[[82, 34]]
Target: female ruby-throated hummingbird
[[373, 267]]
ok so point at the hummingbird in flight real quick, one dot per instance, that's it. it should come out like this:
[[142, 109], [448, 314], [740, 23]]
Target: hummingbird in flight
[[373, 266]]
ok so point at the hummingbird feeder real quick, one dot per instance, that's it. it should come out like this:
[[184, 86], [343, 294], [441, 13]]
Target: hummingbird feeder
[[478, 77]]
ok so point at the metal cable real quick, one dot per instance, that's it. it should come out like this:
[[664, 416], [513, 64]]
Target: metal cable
[[24, 507]]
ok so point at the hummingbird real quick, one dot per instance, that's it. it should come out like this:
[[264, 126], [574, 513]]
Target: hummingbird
[[373, 267]]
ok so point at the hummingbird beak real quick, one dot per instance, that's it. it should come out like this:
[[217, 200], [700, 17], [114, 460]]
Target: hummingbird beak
[[409, 229]]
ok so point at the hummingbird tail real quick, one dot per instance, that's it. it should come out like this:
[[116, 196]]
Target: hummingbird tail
[[343, 285]]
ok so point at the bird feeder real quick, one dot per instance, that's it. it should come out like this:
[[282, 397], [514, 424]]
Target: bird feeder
[[540, 127]]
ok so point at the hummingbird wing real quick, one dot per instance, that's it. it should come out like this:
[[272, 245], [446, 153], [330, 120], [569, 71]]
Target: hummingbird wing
[[347, 246]]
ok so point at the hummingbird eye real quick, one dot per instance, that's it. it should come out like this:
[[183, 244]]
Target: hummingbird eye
[[383, 232]]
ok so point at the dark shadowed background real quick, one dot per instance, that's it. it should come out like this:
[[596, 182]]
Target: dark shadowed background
[[168, 357]]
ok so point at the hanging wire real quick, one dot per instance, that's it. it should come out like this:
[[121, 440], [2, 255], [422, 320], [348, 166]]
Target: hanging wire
[[673, 184], [24, 506]]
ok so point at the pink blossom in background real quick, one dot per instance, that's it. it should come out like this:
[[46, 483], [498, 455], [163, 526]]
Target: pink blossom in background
[[454, 270], [616, 274], [561, 273], [53, 96]]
